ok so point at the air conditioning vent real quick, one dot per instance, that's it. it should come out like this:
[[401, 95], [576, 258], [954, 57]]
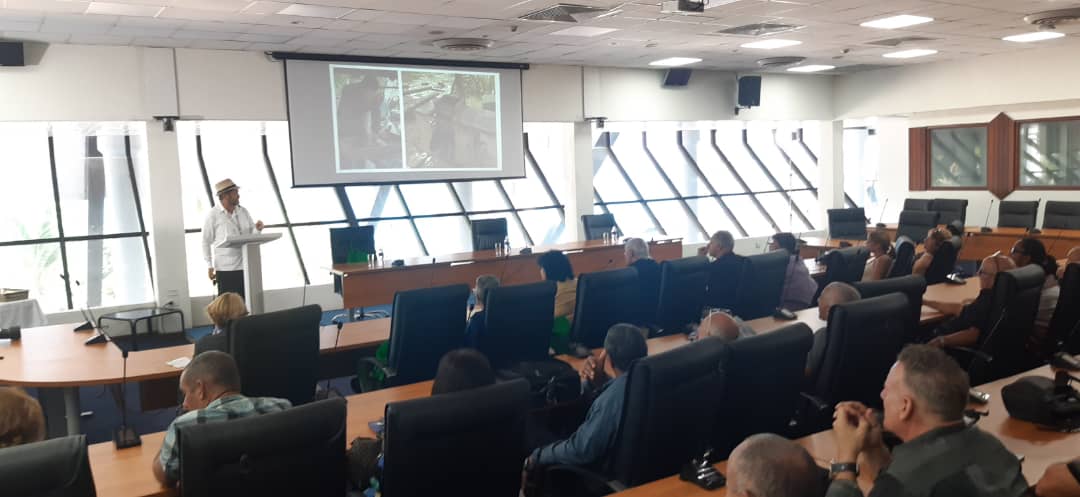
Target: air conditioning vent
[[895, 42], [759, 29], [778, 62], [564, 12], [463, 44], [1051, 19]]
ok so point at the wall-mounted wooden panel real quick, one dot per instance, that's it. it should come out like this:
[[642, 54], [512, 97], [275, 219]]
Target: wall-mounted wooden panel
[[1002, 157], [918, 159]]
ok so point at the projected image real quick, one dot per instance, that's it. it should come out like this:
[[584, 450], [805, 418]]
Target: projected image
[[415, 119]]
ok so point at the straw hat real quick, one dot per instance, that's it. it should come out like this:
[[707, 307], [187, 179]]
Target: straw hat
[[224, 186]]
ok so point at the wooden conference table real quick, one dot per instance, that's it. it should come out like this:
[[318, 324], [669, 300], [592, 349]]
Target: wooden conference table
[[365, 285], [977, 244]]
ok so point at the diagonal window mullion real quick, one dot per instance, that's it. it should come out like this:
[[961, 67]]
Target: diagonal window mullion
[[202, 168], [412, 220], [60, 221], [535, 166], [281, 202], [792, 165], [626, 177], [712, 191], [813, 158], [742, 183], [138, 206], [674, 191], [513, 211], [772, 179]]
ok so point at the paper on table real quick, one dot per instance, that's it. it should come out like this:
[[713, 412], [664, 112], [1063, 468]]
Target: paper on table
[[180, 362]]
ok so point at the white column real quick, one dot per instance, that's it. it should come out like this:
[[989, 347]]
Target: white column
[[580, 180], [831, 169], [166, 220]]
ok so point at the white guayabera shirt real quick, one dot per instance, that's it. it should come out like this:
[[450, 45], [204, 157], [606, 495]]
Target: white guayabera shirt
[[218, 225]]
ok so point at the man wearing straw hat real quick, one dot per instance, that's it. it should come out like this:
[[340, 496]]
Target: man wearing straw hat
[[226, 265]]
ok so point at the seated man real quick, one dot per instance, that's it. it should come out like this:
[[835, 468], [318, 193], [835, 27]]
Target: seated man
[[723, 325], [924, 397], [725, 269], [971, 320], [589, 445], [767, 465], [799, 286], [211, 387], [637, 256], [935, 238], [1072, 257], [475, 326], [835, 293], [1060, 480]]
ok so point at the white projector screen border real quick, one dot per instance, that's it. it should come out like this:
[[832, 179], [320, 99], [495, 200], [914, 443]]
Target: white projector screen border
[[313, 133]]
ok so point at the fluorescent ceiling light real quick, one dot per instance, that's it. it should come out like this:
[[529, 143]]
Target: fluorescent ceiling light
[[585, 31], [674, 61], [123, 9], [1034, 36], [299, 9], [908, 54], [771, 44], [811, 68], [895, 22]]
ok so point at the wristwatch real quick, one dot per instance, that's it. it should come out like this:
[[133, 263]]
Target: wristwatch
[[836, 468]]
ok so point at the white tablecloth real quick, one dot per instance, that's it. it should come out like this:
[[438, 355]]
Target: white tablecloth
[[25, 313]]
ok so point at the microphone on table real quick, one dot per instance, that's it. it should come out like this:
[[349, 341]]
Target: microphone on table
[[881, 216], [985, 227], [124, 436], [13, 333], [1033, 230]]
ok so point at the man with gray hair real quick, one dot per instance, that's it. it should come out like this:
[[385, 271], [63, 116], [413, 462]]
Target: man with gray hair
[[723, 325], [834, 293], [725, 269], [767, 465], [475, 326], [636, 252]]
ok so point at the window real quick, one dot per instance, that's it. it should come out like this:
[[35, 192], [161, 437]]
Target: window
[[691, 179], [1050, 153], [958, 157], [410, 219], [861, 150], [74, 232]]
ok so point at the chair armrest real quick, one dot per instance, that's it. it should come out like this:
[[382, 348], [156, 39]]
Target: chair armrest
[[976, 354], [387, 371], [815, 402], [588, 479]]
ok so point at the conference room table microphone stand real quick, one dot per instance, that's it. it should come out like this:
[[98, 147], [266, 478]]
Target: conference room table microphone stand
[[124, 436]]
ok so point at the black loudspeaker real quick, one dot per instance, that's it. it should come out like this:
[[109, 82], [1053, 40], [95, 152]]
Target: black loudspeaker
[[11, 54], [750, 91], [676, 77]]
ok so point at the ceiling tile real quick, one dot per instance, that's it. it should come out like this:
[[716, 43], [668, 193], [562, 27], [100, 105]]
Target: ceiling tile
[[72, 7], [304, 10], [123, 9], [13, 25], [161, 42]]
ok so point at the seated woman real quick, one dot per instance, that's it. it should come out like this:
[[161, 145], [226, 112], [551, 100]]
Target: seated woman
[[555, 266], [21, 419], [223, 310], [881, 256], [935, 238]]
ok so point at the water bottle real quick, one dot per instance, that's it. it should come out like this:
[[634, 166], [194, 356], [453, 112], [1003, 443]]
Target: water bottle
[[614, 235]]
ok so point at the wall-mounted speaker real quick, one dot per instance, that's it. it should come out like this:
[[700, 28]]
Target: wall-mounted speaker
[[750, 91], [676, 77], [11, 54]]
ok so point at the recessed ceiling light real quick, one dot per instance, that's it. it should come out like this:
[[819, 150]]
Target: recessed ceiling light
[[895, 22], [811, 68], [585, 31], [1034, 36], [771, 44], [675, 61], [908, 54], [299, 9], [123, 9]]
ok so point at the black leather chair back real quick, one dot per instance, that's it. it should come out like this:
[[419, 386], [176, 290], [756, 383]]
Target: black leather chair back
[[1065, 324], [912, 286], [950, 210], [847, 223], [426, 324], [682, 293], [672, 400], [487, 233], [905, 257], [298, 451], [761, 284], [864, 338], [918, 204], [845, 265], [1016, 302], [517, 323], [345, 240], [915, 224], [604, 299], [772, 390], [944, 262], [596, 225], [52, 468], [1017, 214], [472, 441], [1061, 215], [277, 353]]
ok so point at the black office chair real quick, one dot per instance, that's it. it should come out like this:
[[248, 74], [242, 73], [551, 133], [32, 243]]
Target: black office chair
[[52, 468], [915, 224], [1017, 214], [864, 338], [277, 353], [1061, 215], [517, 323], [604, 299], [672, 400], [944, 262], [298, 451], [762, 284], [773, 391], [845, 265], [905, 257], [912, 286], [918, 204], [597, 224], [487, 233], [1004, 350], [350, 245], [426, 324], [471, 441], [847, 223], [950, 210], [682, 293], [1064, 330]]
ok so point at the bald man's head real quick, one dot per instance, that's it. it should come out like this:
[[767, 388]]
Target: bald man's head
[[991, 266], [833, 294], [719, 324], [767, 465]]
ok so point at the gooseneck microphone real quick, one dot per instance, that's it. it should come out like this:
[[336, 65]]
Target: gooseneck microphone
[[881, 215], [985, 227]]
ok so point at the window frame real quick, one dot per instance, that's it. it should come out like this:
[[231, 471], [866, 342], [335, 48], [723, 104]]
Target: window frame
[[930, 163], [1016, 163]]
